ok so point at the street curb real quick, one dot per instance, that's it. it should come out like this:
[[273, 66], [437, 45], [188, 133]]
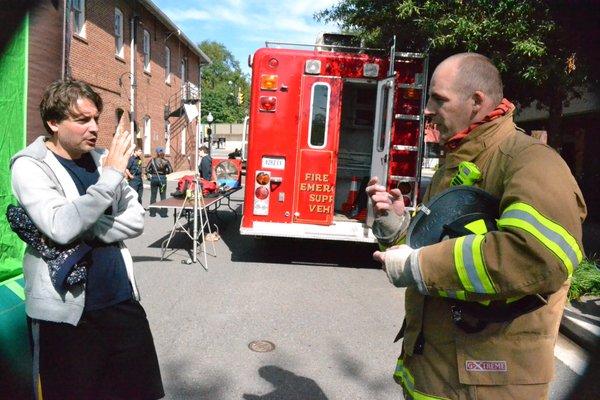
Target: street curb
[[580, 327]]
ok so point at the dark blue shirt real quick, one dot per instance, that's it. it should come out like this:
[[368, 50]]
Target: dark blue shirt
[[107, 281], [205, 167], [135, 166]]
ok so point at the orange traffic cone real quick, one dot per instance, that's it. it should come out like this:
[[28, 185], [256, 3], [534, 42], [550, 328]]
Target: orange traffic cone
[[362, 215], [352, 195]]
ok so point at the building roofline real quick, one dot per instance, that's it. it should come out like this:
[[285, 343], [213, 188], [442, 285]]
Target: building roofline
[[588, 103], [171, 25]]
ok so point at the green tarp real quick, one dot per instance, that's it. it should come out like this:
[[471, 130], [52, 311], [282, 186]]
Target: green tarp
[[15, 355], [13, 127]]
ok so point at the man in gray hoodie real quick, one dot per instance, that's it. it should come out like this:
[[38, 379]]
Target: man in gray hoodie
[[91, 340]]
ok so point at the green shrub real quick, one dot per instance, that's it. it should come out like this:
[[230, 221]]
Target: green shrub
[[586, 280]]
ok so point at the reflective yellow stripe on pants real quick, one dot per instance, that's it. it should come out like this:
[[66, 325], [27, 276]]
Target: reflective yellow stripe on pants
[[403, 376]]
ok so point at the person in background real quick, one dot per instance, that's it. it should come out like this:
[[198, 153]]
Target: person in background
[[134, 173], [205, 167], [234, 154], [504, 350], [91, 339], [157, 170]]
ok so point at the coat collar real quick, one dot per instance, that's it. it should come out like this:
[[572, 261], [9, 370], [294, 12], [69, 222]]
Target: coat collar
[[482, 137]]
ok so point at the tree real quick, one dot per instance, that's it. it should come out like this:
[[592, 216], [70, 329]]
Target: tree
[[543, 49], [221, 82]]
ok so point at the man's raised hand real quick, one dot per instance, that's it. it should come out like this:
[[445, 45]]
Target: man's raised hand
[[119, 151], [384, 201]]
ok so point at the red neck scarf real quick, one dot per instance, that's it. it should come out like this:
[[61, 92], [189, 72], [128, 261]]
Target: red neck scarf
[[502, 108]]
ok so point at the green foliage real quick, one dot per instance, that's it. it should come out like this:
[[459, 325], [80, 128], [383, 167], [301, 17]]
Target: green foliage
[[222, 81], [544, 49], [586, 280]]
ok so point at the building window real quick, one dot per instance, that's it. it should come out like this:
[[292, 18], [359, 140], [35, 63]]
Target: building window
[[78, 15], [167, 65], [183, 70], [147, 135], [119, 33], [183, 140], [146, 50], [168, 139], [319, 117]]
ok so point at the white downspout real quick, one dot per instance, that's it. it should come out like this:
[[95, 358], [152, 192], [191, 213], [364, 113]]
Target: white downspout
[[132, 79], [66, 5]]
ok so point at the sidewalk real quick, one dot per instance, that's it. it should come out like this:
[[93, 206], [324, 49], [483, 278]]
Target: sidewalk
[[581, 319], [581, 322]]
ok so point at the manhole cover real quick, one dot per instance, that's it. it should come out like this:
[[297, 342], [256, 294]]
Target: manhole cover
[[261, 346]]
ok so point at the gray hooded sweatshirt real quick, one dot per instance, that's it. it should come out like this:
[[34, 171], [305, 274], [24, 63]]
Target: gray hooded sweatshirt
[[48, 194]]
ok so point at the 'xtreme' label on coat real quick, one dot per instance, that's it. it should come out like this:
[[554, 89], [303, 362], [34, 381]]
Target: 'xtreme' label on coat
[[485, 366]]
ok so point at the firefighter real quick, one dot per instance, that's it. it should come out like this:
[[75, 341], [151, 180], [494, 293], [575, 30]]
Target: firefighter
[[452, 354]]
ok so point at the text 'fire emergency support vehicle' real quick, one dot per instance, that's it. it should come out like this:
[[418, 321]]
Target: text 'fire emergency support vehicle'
[[322, 121]]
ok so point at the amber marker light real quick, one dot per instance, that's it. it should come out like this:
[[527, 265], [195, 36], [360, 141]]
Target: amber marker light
[[262, 178], [268, 82], [411, 94]]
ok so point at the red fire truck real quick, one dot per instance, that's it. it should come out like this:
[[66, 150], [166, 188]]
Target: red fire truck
[[324, 119]]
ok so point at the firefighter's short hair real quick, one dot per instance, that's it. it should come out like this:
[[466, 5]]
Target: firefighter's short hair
[[60, 98], [477, 72]]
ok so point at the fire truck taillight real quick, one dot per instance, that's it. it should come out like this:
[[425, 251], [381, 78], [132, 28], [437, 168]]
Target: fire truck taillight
[[268, 82], [268, 103], [405, 187], [262, 192], [312, 67]]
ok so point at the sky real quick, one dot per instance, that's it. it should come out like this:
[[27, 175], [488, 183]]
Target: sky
[[243, 26]]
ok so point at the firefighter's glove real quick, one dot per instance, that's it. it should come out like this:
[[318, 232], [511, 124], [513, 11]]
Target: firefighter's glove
[[389, 226], [399, 263], [391, 218]]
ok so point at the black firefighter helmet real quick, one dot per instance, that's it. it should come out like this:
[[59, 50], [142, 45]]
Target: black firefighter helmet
[[458, 211]]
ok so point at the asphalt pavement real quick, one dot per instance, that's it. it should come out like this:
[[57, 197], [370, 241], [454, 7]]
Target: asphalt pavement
[[326, 307]]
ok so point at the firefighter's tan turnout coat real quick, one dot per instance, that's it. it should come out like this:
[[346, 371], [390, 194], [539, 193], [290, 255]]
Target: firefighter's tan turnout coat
[[535, 250]]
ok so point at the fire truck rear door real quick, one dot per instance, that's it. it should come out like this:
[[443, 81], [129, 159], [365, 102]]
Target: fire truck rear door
[[318, 138], [382, 129]]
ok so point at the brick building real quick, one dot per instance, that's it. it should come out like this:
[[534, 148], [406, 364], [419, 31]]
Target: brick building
[[137, 59]]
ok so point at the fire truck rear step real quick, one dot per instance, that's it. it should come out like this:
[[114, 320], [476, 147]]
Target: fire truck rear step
[[351, 231]]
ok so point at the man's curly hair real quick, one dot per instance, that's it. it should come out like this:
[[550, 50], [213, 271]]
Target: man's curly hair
[[60, 99]]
